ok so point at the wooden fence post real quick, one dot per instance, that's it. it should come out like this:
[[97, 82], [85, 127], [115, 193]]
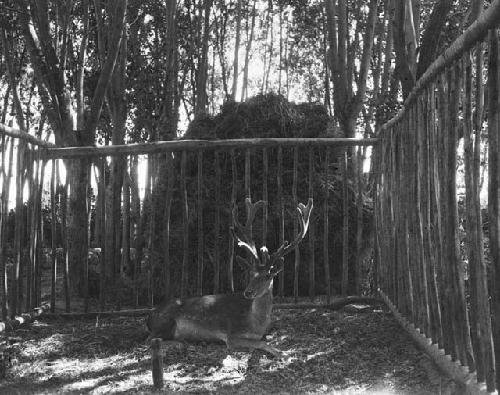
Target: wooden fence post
[[157, 363]]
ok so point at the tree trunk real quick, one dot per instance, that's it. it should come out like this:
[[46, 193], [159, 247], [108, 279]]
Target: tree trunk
[[236, 50], [244, 87], [202, 74]]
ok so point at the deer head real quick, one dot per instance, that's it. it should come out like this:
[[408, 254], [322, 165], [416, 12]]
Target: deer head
[[263, 266]]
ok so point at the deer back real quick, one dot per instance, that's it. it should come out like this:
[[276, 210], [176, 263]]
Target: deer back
[[212, 317]]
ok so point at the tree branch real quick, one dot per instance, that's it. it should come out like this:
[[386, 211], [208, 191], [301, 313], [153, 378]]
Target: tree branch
[[430, 38], [109, 65]]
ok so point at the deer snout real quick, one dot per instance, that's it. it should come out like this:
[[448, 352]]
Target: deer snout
[[249, 294]]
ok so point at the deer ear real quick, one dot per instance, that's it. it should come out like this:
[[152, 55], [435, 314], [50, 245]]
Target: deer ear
[[277, 267]]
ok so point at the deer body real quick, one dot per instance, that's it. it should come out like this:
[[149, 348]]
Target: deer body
[[238, 319]]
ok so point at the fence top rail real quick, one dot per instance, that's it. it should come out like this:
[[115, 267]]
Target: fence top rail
[[488, 19], [23, 135], [194, 145]]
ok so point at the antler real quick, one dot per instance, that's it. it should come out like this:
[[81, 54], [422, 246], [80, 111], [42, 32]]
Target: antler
[[246, 240], [304, 212]]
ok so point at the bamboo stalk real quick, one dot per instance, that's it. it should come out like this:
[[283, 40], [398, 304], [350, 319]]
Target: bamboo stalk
[[461, 319], [345, 227], [359, 220], [39, 237], [64, 231], [312, 263], [87, 244], [248, 176], [185, 224], [281, 215], [136, 206], [421, 197], [432, 228], [18, 228], [102, 262], [326, 257], [218, 178], [53, 231], [153, 259], [200, 223], [494, 186], [32, 177], [230, 268], [166, 226], [4, 198], [295, 225], [471, 221], [125, 265], [441, 181], [7, 186], [265, 197]]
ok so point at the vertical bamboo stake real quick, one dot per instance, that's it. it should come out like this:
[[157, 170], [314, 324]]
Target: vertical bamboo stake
[[230, 268], [494, 185], [441, 181], [18, 227], [102, 261], [64, 233], [265, 197], [3, 213], [312, 263], [152, 177], [53, 231], [484, 351], [432, 229], [345, 227], [281, 215], [461, 319], [137, 220], [247, 175], [326, 257], [125, 265], [32, 176], [200, 223], [218, 177], [359, 218], [295, 229], [185, 224], [6, 186], [39, 235], [248, 194], [484, 314], [422, 209], [471, 220], [166, 226]]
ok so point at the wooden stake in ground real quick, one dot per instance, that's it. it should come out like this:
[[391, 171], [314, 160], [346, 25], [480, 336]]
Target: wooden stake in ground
[[156, 363]]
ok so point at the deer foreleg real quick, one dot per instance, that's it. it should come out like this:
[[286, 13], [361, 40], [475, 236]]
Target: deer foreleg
[[240, 342]]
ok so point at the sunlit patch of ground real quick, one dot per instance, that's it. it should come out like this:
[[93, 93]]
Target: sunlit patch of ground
[[325, 352]]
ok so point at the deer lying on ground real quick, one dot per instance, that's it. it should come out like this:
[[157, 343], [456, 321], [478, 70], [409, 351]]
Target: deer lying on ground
[[238, 319]]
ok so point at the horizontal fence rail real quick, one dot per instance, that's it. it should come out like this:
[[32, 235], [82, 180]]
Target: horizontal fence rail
[[434, 267], [180, 145]]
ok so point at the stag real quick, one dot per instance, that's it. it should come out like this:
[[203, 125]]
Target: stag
[[238, 319]]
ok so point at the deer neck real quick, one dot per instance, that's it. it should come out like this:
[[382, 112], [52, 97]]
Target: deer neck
[[263, 304]]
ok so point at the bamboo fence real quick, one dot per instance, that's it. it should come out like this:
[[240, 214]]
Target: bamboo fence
[[173, 241], [433, 267]]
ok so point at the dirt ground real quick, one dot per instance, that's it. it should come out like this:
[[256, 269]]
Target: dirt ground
[[326, 352]]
